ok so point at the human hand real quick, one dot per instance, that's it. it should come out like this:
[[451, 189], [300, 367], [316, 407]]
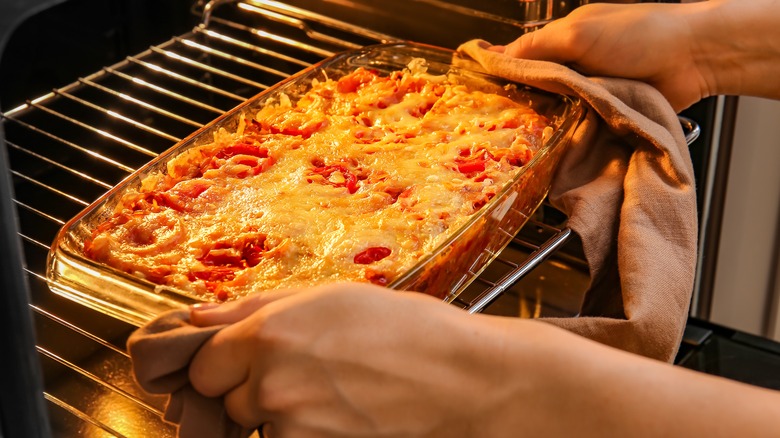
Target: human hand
[[345, 360], [357, 360], [687, 51], [647, 42]]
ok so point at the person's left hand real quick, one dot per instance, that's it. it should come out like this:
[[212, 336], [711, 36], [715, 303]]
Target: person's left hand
[[345, 360]]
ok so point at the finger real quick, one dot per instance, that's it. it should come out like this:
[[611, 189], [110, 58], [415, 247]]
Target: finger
[[244, 404], [497, 48], [234, 311], [541, 45], [223, 362], [267, 430], [289, 430]]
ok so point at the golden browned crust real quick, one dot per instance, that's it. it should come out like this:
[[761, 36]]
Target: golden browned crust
[[356, 181]]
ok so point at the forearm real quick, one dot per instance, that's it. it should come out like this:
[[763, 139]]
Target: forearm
[[558, 384], [736, 45], [359, 360]]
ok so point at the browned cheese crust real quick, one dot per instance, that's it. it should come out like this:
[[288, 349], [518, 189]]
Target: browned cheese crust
[[357, 180]]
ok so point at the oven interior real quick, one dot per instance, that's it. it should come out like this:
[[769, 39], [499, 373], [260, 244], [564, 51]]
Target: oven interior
[[69, 140]]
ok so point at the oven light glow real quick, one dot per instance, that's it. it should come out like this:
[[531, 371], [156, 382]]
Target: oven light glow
[[155, 67], [140, 81], [530, 307], [18, 108], [189, 43], [42, 98], [560, 265]]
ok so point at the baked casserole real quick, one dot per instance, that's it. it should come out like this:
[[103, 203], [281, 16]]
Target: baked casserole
[[384, 165]]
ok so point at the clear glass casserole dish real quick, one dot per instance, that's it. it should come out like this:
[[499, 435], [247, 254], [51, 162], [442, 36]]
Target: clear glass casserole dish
[[443, 272]]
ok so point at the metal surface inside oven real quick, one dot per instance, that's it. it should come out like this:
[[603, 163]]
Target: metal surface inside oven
[[69, 146]]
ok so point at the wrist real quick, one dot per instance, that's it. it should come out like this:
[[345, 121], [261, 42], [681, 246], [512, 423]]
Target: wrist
[[523, 372], [736, 46], [565, 385]]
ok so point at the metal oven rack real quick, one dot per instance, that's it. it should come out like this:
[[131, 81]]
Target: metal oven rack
[[69, 146]]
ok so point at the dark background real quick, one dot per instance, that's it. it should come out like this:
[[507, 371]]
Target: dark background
[[79, 37]]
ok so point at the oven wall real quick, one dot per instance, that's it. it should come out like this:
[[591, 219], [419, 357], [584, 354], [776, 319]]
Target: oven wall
[[746, 293], [79, 37]]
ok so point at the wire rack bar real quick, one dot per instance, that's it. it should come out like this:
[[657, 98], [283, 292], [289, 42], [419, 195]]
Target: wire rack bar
[[118, 116], [94, 129], [140, 102], [69, 144], [81, 415], [537, 257], [185, 79], [307, 15], [54, 163]]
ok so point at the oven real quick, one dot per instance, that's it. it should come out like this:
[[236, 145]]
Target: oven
[[91, 90]]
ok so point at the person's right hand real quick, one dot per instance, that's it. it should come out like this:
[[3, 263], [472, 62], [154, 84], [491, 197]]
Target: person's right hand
[[646, 42]]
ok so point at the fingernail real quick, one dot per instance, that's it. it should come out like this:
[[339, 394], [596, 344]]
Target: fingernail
[[204, 306]]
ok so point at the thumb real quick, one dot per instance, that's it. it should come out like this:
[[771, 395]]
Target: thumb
[[210, 314], [543, 45]]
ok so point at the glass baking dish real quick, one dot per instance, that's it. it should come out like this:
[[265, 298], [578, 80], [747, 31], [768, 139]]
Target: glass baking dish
[[444, 272]]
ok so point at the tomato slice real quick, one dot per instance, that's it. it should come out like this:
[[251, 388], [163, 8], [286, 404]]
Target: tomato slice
[[351, 82], [377, 278], [253, 251], [477, 165], [243, 149], [350, 181], [371, 255], [469, 163]]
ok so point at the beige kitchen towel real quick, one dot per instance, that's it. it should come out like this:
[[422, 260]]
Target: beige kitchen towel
[[627, 185], [161, 352]]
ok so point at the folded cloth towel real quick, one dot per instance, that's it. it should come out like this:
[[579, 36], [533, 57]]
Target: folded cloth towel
[[627, 185], [161, 352]]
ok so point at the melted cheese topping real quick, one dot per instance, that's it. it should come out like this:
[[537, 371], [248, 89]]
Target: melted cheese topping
[[356, 181]]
